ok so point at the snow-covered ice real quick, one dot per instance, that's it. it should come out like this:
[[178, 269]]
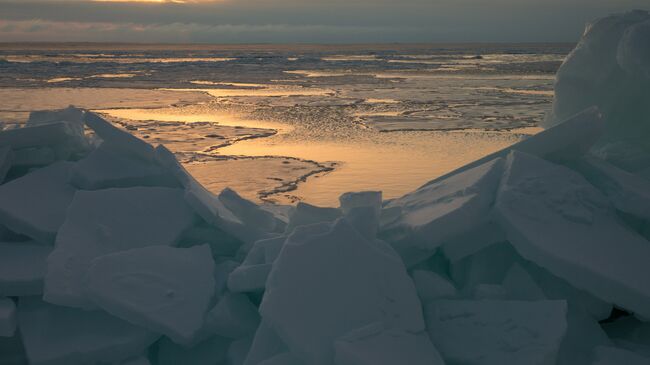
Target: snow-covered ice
[[164, 289], [310, 306], [555, 218], [100, 222], [36, 204], [55, 335], [22, 268], [497, 332]]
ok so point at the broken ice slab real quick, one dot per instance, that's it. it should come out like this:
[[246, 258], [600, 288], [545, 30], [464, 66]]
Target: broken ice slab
[[52, 134], [119, 140], [55, 335], [493, 332], [266, 344], [234, 316], [73, 116], [360, 199], [520, 285], [250, 213], [22, 268], [555, 218], [105, 168], [437, 213], [34, 156], [205, 204], [305, 214], [164, 289], [347, 283], [6, 160], [209, 352], [628, 192], [7, 317], [430, 286], [100, 222], [36, 204], [249, 278], [569, 139], [607, 355], [376, 345], [238, 350]]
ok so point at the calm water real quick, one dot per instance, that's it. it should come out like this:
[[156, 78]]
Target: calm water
[[288, 123]]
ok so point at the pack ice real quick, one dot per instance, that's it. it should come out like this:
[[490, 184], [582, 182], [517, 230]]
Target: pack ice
[[112, 253]]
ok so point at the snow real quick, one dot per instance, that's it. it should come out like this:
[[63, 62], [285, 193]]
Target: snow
[[100, 222], [22, 268], [103, 168], [55, 335], [35, 204], [556, 219], [497, 332], [375, 345], [310, 306], [164, 289], [7, 317]]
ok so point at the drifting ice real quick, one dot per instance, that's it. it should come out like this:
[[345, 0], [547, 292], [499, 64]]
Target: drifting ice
[[112, 253]]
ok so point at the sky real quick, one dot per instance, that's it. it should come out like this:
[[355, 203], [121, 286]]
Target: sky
[[302, 21]]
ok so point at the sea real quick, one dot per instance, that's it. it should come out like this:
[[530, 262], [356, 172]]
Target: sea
[[281, 124]]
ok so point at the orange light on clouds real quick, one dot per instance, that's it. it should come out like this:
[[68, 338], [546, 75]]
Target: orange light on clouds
[[147, 1]]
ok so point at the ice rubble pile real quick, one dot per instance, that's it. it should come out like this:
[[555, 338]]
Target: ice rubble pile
[[111, 253]]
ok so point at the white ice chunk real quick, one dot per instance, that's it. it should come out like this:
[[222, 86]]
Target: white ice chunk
[[438, 212], [521, 286], [497, 332], [266, 344], [105, 168], [430, 285], [34, 156], [6, 160], [165, 289], [73, 116], [119, 140], [7, 317], [249, 278], [554, 218], [305, 214], [329, 280], [209, 352], [55, 335], [606, 355], [205, 204], [633, 53], [36, 204], [105, 221], [365, 220], [22, 268], [628, 192], [250, 213], [234, 317], [59, 135], [360, 199], [375, 345]]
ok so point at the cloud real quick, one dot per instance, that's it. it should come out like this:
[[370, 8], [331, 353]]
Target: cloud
[[304, 20]]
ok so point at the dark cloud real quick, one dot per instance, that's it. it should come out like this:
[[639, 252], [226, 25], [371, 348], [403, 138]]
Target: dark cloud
[[308, 20]]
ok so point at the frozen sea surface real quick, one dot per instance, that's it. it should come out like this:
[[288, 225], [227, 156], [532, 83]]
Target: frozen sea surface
[[316, 121]]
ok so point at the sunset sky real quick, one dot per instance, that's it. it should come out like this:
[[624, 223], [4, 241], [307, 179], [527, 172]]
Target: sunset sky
[[314, 21]]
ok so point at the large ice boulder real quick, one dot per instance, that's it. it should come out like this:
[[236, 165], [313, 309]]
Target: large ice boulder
[[330, 280], [492, 332], [55, 335], [164, 289], [36, 204], [100, 222], [556, 219], [609, 69]]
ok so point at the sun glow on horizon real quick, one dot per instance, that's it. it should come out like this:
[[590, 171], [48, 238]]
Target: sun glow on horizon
[[149, 1]]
